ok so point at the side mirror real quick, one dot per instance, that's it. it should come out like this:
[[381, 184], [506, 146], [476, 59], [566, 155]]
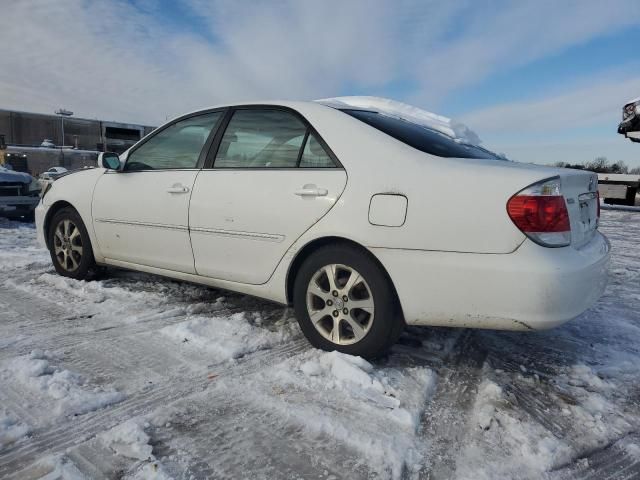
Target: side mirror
[[109, 160]]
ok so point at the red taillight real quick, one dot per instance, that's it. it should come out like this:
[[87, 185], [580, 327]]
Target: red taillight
[[537, 214], [540, 212]]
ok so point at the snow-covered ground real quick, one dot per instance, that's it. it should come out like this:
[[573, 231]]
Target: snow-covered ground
[[138, 377]]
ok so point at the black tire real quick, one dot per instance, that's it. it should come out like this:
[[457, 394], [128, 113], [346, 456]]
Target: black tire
[[86, 266], [387, 323]]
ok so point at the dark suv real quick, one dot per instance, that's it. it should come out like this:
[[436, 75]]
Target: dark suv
[[19, 194]]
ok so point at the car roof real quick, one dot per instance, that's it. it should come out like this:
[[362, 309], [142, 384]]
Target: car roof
[[276, 103], [433, 121]]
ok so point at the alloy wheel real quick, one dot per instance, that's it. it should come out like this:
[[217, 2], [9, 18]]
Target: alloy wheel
[[340, 304], [67, 245]]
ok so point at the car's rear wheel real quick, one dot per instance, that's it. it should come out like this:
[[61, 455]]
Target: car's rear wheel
[[70, 246], [344, 301]]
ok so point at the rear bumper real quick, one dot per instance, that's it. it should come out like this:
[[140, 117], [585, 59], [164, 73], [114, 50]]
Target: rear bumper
[[532, 288]]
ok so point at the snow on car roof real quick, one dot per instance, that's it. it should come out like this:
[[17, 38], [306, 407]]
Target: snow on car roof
[[447, 126]]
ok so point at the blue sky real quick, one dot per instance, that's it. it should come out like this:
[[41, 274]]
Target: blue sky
[[542, 81], [537, 78]]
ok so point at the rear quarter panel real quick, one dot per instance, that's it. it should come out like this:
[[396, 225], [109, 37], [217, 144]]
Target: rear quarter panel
[[455, 205]]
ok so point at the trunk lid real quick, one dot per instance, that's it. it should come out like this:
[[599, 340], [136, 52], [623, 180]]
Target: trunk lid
[[580, 192]]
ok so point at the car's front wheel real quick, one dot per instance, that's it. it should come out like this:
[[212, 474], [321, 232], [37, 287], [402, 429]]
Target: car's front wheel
[[70, 246], [344, 301]]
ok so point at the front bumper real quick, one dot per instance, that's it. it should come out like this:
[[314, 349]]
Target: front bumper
[[40, 213], [18, 205], [532, 288], [630, 127]]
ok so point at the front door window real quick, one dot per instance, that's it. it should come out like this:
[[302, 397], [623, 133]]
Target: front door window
[[175, 147]]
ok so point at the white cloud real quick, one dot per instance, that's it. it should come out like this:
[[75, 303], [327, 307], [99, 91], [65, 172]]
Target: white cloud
[[499, 36], [113, 59], [572, 125], [593, 104]]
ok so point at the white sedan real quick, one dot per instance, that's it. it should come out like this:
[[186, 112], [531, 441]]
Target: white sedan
[[365, 219]]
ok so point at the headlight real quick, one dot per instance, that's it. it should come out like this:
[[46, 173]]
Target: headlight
[[47, 187], [34, 185]]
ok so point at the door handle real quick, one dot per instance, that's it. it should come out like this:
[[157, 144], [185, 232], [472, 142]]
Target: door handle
[[177, 188], [311, 191]]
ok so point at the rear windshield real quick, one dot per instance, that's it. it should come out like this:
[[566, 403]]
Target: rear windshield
[[420, 137]]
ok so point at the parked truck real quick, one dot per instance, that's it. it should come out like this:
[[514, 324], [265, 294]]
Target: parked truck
[[630, 124], [19, 191], [19, 194], [618, 188]]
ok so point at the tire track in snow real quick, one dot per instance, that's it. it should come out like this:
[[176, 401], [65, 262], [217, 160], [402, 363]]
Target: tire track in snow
[[445, 417], [204, 439], [58, 438], [217, 444], [49, 316], [544, 409], [613, 462], [126, 362], [15, 402], [16, 306], [530, 366], [106, 353]]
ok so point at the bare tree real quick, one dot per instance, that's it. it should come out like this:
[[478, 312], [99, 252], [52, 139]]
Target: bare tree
[[598, 165], [619, 167]]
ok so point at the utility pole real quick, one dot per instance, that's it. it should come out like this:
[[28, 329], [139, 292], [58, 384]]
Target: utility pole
[[63, 113]]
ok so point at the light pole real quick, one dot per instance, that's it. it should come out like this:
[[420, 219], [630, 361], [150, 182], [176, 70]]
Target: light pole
[[63, 113]]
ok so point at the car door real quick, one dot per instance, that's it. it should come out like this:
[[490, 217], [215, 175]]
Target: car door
[[140, 213], [270, 177]]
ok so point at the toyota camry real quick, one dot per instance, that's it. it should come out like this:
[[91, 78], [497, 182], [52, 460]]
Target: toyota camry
[[365, 216]]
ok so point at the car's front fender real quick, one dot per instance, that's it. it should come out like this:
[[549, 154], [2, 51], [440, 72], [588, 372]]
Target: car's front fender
[[75, 190]]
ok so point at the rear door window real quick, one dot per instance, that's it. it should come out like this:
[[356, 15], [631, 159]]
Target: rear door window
[[261, 138]]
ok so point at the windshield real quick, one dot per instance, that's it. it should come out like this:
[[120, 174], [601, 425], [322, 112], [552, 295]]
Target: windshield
[[420, 137]]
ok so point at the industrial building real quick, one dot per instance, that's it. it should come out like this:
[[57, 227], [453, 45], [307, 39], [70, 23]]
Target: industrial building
[[34, 142]]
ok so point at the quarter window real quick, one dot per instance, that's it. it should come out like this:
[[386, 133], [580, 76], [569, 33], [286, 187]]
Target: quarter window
[[177, 146], [261, 139], [314, 156]]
